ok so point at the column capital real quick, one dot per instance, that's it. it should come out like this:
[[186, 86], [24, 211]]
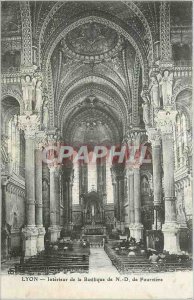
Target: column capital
[[136, 168], [29, 124], [54, 168], [154, 136], [53, 136], [118, 170], [165, 121], [129, 171], [135, 136]]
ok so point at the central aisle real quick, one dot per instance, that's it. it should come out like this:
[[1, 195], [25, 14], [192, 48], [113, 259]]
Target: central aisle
[[99, 262]]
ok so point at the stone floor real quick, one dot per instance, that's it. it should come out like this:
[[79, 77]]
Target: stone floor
[[99, 263]]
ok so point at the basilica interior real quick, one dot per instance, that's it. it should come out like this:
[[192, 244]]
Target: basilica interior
[[96, 73]]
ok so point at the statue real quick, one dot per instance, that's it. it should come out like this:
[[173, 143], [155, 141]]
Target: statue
[[45, 120], [28, 86], [154, 91], [38, 105], [166, 87], [146, 108]]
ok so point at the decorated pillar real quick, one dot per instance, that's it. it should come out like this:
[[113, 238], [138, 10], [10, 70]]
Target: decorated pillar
[[68, 176], [114, 190], [121, 200], [30, 123], [70, 202], [54, 228], [119, 189], [135, 139], [165, 121], [131, 200], [54, 168], [165, 42], [5, 228], [138, 227], [155, 138], [40, 136]]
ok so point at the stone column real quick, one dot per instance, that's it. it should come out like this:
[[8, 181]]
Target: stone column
[[127, 192], [5, 231], [155, 139], [70, 203], [38, 191], [114, 190], [138, 227], [30, 125], [119, 176], [68, 174], [58, 197], [165, 121], [66, 205], [131, 202], [121, 200], [54, 169], [54, 228], [134, 140]]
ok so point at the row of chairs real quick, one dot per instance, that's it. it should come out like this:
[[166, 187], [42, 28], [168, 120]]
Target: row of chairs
[[139, 264], [52, 264]]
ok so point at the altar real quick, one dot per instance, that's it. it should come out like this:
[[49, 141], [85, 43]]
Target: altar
[[93, 218]]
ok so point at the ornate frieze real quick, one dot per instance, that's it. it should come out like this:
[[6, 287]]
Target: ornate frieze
[[14, 185], [29, 232]]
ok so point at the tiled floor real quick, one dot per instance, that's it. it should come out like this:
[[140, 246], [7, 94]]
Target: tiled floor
[[99, 262]]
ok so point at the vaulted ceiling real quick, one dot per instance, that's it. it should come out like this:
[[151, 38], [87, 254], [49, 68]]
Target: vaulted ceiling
[[96, 54]]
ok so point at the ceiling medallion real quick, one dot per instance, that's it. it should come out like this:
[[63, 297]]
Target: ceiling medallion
[[92, 42]]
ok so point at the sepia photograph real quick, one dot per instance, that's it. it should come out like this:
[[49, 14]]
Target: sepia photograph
[[96, 150]]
